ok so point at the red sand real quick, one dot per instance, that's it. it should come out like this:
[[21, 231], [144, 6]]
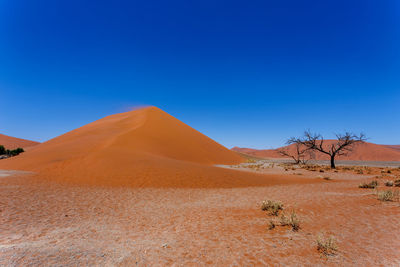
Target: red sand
[[365, 152], [10, 142], [141, 148], [46, 223], [53, 224]]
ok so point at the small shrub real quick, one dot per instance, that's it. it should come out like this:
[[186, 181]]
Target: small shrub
[[271, 225], [327, 245], [2, 150], [14, 152], [387, 195], [321, 170], [327, 178], [372, 184], [291, 220], [389, 183], [397, 183], [273, 207]]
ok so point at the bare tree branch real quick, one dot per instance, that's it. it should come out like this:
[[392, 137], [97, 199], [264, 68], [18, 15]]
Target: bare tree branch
[[299, 155], [342, 146]]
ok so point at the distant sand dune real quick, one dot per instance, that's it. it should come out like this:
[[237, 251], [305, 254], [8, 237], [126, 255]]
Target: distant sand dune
[[366, 151]]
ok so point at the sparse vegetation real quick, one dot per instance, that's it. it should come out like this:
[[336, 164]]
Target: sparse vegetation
[[271, 225], [388, 195], [327, 245], [371, 185], [397, 183], [10, 153], [273, 207], [389, 183], [327, 178], [291, 220]]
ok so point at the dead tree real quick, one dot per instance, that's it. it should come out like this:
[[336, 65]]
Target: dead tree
[[340, 147], [300, 155]]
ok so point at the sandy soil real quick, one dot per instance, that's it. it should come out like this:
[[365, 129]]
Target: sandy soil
[[43, 224]]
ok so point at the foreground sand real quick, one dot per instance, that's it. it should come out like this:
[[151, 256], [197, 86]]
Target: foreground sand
[[44, 224]]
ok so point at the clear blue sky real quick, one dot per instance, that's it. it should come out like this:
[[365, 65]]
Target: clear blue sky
[[245, 73]]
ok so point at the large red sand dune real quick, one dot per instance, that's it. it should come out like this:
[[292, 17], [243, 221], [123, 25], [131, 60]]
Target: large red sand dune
[[10, 142], [141, 148], [365, 151]]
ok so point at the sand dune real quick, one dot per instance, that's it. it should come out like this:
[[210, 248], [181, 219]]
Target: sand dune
[[366, 151], [395, 147], [10, 142], [141, 148]]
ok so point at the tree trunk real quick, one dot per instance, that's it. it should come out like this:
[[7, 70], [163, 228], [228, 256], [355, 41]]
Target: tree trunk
[[333, 162]]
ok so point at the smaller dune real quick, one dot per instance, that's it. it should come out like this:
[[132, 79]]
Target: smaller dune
[[10, 142], [364, 152]]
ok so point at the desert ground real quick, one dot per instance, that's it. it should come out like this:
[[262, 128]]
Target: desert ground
[[143, 189], [49, 223]]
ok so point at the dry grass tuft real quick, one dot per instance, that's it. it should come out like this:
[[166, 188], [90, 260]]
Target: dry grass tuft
[[327, 245], [389, 183], [372, 185], [291, 220], [387, 195], [273, 207]]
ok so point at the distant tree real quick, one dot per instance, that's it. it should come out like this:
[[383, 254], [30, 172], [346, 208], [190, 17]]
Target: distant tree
[[340, 147], [18, 150], [13, 152], [301, 154], [2, 150]]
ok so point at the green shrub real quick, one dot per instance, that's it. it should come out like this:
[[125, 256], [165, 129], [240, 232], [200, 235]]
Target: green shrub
[[13, 152], [2, 150]]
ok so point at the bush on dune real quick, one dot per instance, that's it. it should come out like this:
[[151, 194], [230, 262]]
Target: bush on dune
[[10, 153]]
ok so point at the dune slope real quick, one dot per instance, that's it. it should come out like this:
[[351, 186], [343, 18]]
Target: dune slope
[[141, 148], [10, 142]]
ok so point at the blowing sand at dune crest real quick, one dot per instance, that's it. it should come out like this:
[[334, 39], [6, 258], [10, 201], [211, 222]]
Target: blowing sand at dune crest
[[141, 148]]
